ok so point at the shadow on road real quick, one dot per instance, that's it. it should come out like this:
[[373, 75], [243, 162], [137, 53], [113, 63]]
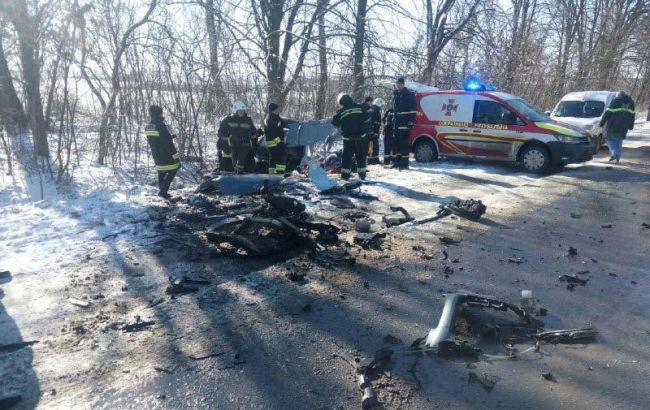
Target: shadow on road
[[19, 386]]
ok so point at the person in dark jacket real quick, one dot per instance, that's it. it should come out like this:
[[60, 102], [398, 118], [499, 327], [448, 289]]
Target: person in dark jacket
[[618, 120], [374, 112], [389, 145], [224, 152], [353, 120], [238, 132], [163, 150], [404, 111], [275, 131]]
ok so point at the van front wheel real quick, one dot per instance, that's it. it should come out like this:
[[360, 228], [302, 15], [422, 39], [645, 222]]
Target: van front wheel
[[535, 158], [425, 151]]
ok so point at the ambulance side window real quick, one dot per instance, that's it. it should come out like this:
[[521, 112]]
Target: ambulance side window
[[491, 112]]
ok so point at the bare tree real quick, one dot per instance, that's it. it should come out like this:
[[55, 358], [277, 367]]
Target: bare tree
[[359, 47], [321, 93], [441, 29], [26, 26], [12, 115], [278, 40], [114, 90], [217, 99]]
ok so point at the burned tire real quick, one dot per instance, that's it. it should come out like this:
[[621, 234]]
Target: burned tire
[[535, 158], [425, 151]]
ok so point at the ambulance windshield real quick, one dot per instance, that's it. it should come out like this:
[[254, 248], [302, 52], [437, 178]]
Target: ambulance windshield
[[528, 110]]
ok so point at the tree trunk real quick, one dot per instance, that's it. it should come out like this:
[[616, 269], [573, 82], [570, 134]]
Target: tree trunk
[[428, 69], [12, 114], [217, 100], [105, 127], [275, 82], [359, 43], [26, 27], [321, 94]]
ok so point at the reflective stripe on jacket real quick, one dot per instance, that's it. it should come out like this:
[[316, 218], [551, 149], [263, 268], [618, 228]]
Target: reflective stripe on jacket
[[404, 107], [162, 147], [274, 130], [353, 121], [236, 129], [619, 117]]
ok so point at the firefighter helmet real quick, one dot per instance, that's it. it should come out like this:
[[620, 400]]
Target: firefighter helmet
[[239, 106], [342, 97]]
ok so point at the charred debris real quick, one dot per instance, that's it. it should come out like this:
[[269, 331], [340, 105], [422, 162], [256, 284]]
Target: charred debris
[[258, 216]]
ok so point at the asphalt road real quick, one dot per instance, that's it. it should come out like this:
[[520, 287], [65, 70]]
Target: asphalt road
[[254, 339]]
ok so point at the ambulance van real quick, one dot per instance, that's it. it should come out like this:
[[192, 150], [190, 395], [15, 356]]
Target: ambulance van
[[495, 126]]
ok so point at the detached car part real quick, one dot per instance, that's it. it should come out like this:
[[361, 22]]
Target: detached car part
[[470, 208], [442, 336], [567, 335]]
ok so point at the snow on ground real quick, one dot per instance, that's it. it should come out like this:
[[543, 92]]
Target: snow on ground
[[85, 230], [34, 234]]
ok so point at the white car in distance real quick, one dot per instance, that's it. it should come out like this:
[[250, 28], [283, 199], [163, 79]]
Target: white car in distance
[[584, 109]]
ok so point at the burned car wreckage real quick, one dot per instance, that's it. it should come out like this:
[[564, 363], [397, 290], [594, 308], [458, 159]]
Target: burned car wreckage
[[266, 216]]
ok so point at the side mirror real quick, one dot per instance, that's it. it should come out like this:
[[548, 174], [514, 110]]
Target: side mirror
[[547, 113]]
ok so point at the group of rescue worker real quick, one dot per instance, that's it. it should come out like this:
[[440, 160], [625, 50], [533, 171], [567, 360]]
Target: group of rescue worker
[[361, 125], [237, 137]]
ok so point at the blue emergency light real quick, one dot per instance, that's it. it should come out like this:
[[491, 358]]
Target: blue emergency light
[[474, 84]]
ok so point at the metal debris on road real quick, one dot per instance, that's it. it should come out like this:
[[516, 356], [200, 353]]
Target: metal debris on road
[[178, 286], [78, 302], [362, 225], [368, 399], [370, 240], [471, 209], [567, 335], [397, 219], [342, 202], [549, 376], [442, 338], [206, 356], [138, 326], [572, 281], [448, 241]]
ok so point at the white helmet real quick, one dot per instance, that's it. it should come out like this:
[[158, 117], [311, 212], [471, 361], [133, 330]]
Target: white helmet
[[341, 96], [379, 102], [239, 106]]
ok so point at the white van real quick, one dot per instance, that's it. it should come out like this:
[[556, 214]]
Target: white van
[[584, 109]]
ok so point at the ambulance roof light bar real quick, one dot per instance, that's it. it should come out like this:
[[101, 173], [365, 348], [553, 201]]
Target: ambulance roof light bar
[[474, 84]]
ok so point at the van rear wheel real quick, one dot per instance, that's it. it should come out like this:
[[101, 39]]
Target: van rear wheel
[[535, 158], [425, 151]]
